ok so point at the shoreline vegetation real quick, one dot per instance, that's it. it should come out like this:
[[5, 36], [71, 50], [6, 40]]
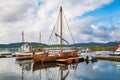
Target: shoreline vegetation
[[93, 48], [110, 46]]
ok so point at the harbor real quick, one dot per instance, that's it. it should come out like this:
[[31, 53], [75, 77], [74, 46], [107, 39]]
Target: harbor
[[43, 65], [63, 68], [28, 70], [60, 40]]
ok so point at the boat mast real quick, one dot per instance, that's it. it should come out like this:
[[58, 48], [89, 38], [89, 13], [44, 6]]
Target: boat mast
[[61, 29], [40, 38], [23, 41]]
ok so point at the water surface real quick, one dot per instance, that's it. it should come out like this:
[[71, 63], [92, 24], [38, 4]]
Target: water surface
[[12, 69]]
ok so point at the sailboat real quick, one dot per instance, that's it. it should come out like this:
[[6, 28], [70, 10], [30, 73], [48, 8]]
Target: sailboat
[[47, 57]]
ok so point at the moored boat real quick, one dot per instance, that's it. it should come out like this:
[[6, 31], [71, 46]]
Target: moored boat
[[85, 52], [44, 57], [47, 56], [117, 51], [25, 52]]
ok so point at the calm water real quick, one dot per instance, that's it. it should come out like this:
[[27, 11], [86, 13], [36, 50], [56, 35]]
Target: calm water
[[10, 69]]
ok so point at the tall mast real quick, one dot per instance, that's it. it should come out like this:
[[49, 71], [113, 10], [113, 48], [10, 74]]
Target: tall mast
[[23, 41], [61, 29], [40, 38]]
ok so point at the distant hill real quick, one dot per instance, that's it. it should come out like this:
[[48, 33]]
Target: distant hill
[[97, 44], [16, 45]]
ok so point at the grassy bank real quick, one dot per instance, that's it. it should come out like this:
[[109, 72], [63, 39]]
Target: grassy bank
[[93, 48], [99, 48]]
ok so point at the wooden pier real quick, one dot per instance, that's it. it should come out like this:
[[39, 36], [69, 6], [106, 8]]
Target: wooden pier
[[8, 55], [110, 58], [70, 60]]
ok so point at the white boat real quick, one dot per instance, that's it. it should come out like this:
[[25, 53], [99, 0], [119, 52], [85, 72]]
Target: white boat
[[25, 52], [117, 52], [87, 54]]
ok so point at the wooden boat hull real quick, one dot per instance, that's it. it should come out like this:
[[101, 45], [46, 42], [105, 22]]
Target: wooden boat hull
[[43, 57], [66, 55], [21, 56], [28, 55]]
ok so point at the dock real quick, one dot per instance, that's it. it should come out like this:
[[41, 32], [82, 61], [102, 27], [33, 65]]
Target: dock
[[70, 60], [110, 58], [7, 55]]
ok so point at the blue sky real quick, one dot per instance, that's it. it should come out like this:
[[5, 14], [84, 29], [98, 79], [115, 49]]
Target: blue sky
[[105, 11], [89, 20]]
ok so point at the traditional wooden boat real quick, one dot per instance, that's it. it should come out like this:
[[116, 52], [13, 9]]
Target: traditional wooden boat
[[25, 53], [48, 57], [45, 57], [26, 50]]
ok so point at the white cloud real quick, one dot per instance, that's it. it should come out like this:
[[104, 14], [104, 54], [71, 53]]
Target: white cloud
[[34, 16]]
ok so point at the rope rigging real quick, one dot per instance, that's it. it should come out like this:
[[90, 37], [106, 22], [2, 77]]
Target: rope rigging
[[53, 29], [55, 32], [69, 30]]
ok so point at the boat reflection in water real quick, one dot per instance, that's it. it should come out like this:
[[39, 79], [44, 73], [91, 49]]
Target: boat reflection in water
[[12, 69], [46, 71], [26, 65], [55, 71], [117, 64], [92, 61]]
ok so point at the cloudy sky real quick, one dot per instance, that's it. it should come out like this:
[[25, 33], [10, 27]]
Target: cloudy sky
[[90, 20]]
